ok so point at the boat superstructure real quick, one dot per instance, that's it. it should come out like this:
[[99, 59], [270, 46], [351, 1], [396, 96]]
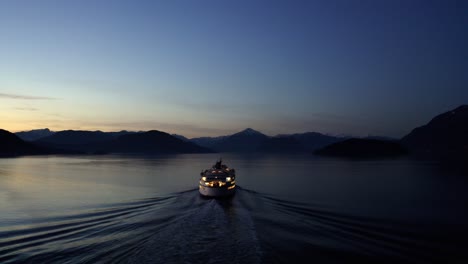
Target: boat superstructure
[[218, 181]]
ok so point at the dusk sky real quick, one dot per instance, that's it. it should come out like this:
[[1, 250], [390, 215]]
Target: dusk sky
[[207, 68]]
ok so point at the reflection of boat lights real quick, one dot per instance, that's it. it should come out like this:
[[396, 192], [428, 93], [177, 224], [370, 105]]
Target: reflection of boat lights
[[203, 178], [228, 178], [233, 182], [231, 187]]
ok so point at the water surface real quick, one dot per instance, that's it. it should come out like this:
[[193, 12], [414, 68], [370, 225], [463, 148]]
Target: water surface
[[294, 208]]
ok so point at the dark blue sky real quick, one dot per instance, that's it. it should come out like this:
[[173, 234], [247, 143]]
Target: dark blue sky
[[215, 67]]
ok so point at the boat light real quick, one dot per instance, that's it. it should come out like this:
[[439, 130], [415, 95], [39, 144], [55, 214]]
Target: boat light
[[203, 178], [228, 178]]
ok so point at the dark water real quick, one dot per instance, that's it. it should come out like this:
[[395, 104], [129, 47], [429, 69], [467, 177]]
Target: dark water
[[288, 209]]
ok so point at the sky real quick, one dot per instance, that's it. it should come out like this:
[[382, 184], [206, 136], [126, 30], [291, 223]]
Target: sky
[[208, 68]]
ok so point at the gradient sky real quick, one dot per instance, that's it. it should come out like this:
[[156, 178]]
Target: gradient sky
[[215, 67]]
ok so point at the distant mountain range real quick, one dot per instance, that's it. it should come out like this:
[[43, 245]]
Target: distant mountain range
[[208, 142], [95, 142], [153, 142], [12, 145], [445, 136], [79, 140], [247, 140], [34, 134], [250, 140]]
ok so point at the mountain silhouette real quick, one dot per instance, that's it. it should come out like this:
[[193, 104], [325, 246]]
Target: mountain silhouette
[[78, 140], [76, 137], [304, 142], [154, 142], [250, 140], [444, 137], [207, 142], [12, 145], [247, 140], [363, 148], [34, 134], [98, 142], [181, 137]]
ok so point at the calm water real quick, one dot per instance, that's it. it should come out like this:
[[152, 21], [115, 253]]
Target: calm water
[[288, 209]]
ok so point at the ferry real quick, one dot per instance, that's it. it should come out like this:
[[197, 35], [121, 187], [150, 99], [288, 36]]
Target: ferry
[[218, 181]]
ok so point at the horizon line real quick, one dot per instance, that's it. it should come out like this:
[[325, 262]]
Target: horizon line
[[237, 131]]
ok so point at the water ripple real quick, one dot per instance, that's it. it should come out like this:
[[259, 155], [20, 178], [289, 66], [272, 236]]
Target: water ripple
[[250, 227]]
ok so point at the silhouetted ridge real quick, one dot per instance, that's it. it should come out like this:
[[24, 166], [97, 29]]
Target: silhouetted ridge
[[363, 148], [153, 142], [247, 140], [181, 137], [445, 136], [76, 137], [77, 140], [34, 134], [250, 140], [98, 142], [250, 131], [81, 140], [9, 139], [207, 142], [305, 142], [12, 145]]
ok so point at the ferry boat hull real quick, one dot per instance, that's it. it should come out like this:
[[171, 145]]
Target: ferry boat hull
[[218, 181], [216, 192]]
